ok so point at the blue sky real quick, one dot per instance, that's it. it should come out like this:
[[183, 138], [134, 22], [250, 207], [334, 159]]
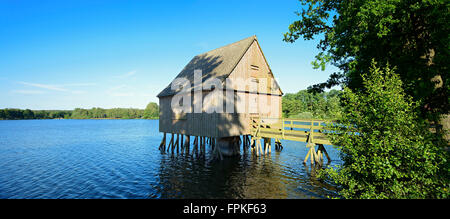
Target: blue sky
[[68, 54]]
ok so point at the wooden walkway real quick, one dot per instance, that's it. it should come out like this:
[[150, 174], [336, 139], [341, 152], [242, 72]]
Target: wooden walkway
[[309, 131]]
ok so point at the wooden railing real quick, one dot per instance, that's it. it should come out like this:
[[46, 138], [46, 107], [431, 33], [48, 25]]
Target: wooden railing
[[310, 131]]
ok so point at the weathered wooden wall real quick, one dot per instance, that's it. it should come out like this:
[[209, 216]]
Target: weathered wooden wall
[[252, 68]]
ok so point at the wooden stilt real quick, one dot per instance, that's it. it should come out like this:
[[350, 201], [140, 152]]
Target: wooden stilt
[[252, 148], [170, 143], [162, 146], [202, 145], [260, 148], [213, 143], [265, 145], [188, 144], [175, 145], [257, 142], [319, 156], [195, 145], [316, 156], [307, 156], [182, 144], [324, 151], [257, 147], [247, 142], [279, 147]]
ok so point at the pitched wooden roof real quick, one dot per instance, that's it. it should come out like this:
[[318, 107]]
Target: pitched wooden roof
[[217, 63]]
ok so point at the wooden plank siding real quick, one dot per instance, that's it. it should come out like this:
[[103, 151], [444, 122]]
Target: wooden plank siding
[[253, 68]]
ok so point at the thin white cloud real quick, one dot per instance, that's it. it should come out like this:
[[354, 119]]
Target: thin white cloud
[[61, 87], [28, 91], [79, 85], [77, 92], [44, 86]]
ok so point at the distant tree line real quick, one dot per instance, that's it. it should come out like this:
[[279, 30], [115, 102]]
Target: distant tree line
[[150, 112], [307, 105]]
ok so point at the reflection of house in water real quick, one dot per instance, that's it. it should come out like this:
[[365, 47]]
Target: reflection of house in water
[[240, 74], [236, 177], [243, 176]]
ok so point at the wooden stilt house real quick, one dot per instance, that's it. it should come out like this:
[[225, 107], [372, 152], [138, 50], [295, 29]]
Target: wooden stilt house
[[234, 65]]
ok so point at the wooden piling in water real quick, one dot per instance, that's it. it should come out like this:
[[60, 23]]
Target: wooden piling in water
[[278, 146], [170, 143], [186, 144], [202, 145], [260, 147], [182, 144], [321, 149], [195, 145], [162, 146], [251, 144], [256, 147], [213, 143], [175, 144]]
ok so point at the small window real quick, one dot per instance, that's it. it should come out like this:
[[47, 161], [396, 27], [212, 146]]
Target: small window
[[254, 67]]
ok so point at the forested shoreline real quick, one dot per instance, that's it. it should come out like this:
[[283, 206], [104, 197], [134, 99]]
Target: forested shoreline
[[308, 105], [150, 112], [301, 105]]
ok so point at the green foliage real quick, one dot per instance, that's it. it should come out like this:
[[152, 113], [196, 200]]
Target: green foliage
[[151, 112], [386, 148], [28, 114], [306, 105], [412, 35], [303, 115]]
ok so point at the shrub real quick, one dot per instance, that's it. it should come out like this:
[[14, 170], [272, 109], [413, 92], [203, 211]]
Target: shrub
[[387, 150]]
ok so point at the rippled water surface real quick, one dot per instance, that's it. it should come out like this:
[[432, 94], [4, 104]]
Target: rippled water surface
[[120, 159]]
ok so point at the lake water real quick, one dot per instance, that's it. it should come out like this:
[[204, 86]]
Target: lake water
[[120, 159]]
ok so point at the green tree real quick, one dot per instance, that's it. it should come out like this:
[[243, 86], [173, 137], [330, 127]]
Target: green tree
[[151, 111], [306, 105], [28, 114], [13, 114], [386, 149], [412, 35], [2, 114], [41, 114], [79, 113]]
